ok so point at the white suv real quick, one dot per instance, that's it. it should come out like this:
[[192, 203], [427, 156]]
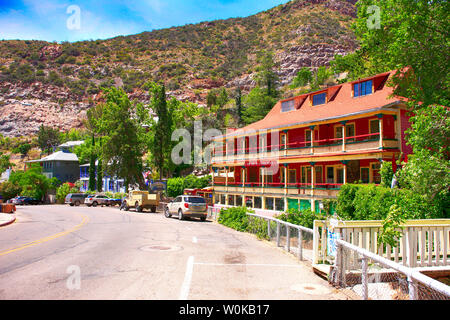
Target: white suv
[[94, 200], [187, 207]]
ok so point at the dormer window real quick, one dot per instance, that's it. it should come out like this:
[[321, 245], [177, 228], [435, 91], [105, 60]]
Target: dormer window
[[287, 106], [363, 88], [319, 99]]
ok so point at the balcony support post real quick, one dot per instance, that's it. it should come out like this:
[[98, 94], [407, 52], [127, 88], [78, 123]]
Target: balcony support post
[[226, 180], [380, 122]]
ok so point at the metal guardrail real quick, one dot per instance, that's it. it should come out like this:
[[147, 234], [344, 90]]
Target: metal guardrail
[[414, 277], [282, 231]]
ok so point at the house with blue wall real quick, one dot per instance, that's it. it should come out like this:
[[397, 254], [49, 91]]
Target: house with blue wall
[[109, 184]]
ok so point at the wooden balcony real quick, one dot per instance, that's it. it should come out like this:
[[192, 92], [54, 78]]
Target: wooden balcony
[[325, 190], [330, 147]]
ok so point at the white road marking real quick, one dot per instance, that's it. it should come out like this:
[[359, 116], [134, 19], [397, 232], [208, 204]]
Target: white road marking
[[194, 239], [184, 292], [247, 264]]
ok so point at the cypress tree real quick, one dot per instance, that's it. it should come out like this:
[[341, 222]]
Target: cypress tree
[[92, 167]]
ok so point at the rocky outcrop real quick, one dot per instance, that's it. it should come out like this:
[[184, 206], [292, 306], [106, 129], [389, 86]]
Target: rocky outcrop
[[24, 117], [50, 52], [311, 56]]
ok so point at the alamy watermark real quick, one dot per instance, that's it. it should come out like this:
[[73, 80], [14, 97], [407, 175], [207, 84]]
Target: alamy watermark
[[73, 282], [74, 20], [374, 20]]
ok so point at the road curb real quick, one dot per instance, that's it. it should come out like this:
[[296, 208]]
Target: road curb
[[8, 222]]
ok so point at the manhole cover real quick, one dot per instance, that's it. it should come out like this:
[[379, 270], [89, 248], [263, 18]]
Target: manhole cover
[[160, 247], [309, 288]]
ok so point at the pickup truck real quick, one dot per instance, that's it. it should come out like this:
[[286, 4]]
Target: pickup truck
[[141, 200]]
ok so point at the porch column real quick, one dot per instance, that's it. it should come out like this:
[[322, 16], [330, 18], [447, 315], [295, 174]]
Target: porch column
[[343, 135], [380, 122], [312, 138], [263, 177], [285, 177], [226, 179], [313, 171], [344, 162], [345, 173]]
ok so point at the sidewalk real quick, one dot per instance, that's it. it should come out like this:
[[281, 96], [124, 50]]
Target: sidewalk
[[7, 218]]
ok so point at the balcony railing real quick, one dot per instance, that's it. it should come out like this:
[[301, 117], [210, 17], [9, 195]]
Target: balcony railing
[[280, 185], [315, 144]]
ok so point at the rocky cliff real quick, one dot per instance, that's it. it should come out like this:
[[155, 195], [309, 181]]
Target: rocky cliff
[[54, 84]]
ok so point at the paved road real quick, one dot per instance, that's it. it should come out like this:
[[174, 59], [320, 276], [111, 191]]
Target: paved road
[[62, 252]]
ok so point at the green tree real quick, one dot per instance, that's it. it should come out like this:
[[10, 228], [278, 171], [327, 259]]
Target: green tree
[[163, 127], [32, 182], [4, 162], [412, 38], [222, 99], [23, 149], [266, 76], [122, 137], [238, 102], [92, 167], [427, 169], [48, 138], [256, 105], [9, 190], [303, 78]]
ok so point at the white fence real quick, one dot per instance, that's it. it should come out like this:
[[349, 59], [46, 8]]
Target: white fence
[[375, 277], [424, 243]]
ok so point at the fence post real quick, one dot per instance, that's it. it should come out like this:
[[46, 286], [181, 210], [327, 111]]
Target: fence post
[[412, 289], [268, 228], [364, 279], [278, 234], [288, 238], [340, 270], [300, 245]]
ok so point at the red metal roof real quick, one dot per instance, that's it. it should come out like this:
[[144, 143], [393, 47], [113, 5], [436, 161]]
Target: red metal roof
[[340, 103]]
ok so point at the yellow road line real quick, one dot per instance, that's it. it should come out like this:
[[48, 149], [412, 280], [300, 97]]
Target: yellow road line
[[48, 238]]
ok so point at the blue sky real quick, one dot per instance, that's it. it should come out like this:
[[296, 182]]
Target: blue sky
[[48, 19]]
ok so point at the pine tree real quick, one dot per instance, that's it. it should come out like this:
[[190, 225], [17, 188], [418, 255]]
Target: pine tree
[[92, 167]]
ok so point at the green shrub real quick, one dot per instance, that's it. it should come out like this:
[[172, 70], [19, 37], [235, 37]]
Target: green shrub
[[371, 202], [386, 174], [63, 190], [303, 218], [9, 190], [235, 218], [175, 187]]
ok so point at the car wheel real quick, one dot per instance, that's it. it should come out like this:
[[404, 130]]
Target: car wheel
[[71, 204], [153, 209], [180, 214], [138, 207], [77, 203], [202, 218], [167, 213], [94, 204]]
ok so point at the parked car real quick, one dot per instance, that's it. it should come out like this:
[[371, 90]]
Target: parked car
[[16, 200], [114, 202], [31, 201], [95, 200], [187, 207], [75, 199], [141, 200]]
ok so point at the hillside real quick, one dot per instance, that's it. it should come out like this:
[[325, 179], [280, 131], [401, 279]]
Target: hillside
[[54, 84]]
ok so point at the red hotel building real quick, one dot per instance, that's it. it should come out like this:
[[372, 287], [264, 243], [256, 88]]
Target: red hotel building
[[317, 141]]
